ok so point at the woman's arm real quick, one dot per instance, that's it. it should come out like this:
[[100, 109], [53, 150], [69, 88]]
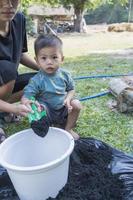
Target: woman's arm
[[18, 109], [27, 61]]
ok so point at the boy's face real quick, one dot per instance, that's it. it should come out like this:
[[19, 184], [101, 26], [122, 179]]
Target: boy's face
[[8, 9], [49, 59]]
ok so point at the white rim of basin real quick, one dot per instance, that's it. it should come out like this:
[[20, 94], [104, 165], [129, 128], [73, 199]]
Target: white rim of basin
[[38, 167]]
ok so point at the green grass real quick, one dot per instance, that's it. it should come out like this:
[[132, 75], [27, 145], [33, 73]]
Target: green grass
[[96, 119]]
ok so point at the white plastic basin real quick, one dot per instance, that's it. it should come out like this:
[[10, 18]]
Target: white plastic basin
[[38, 167]]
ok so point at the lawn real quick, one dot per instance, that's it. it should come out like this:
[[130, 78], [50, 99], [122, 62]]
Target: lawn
[[96, 119]]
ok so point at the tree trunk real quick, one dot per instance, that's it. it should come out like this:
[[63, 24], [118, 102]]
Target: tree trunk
[[78, 22]]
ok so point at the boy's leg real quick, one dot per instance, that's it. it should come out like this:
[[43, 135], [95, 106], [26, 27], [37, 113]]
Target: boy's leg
[[72, 118]]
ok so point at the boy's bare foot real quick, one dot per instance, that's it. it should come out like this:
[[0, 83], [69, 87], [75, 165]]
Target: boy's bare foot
[[74, 134]]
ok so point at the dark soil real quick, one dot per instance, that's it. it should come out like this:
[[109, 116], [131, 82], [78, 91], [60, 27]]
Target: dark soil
[[90, 177], [41, 126]]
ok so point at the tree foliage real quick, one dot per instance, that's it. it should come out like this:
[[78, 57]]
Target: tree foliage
[[25, 4], [79, 7], [81, 4], [108, 13]]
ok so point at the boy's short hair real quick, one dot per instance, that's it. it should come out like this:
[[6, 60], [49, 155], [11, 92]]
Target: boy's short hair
[[47, 40]]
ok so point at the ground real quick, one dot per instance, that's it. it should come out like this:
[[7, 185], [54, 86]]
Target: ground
[[96, 40]]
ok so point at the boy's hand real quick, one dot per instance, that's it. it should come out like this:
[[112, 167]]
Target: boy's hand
[[28, 102], [67, 103]]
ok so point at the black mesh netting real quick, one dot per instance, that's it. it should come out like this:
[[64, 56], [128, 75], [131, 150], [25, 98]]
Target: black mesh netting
[[41, 127], [97, 172]]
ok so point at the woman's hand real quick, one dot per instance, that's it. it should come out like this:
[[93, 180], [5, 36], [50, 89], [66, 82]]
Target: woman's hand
[[21, 109]]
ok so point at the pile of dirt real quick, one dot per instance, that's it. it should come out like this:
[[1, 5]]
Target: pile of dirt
[[120, 27], [90, 177]]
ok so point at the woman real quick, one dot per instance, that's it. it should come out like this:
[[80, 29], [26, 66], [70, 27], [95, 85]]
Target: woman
[[13, 48]]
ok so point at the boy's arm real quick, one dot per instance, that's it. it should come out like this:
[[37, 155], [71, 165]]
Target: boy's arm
[[70, 94], [31, 91], [67, 101], [27, 102]]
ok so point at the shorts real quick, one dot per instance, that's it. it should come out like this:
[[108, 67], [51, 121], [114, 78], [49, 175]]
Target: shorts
[[57, 116]]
